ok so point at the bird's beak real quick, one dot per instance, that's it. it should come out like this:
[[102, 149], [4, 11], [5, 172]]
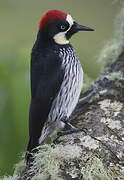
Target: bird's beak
[[79, 27], [75, 28]]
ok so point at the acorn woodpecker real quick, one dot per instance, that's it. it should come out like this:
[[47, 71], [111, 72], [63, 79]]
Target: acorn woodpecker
[[56, 77]]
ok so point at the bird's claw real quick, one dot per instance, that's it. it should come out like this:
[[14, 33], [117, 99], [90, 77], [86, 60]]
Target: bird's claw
[[71, 131]]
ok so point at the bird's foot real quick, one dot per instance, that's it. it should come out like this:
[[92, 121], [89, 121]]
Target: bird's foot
[[71, 130], [66, 132]]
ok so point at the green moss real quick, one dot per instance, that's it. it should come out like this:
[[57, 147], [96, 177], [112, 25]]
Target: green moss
[[89, 142], [111, 110], [49, 160], [115, 76], [95, 170], [20, 168], [108, 105], [114, 47], [10, 178]]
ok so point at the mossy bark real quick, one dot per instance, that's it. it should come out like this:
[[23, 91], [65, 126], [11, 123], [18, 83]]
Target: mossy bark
[[97, 153]]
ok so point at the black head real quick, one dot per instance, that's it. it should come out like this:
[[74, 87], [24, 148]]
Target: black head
[[56, 26]]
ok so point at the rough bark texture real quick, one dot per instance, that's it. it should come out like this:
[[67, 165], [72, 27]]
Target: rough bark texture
[[98, 151]]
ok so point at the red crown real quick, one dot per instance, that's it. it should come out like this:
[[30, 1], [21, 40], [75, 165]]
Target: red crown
[[50, 17]]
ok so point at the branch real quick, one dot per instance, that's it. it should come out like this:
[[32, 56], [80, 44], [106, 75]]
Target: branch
[[96, 153]]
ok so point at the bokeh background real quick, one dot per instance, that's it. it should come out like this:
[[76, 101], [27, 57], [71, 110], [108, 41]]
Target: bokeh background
[[18, 29]]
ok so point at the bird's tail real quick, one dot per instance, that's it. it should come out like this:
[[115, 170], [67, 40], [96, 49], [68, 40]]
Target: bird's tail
[[33, 146], [49, 129], [31, 149]]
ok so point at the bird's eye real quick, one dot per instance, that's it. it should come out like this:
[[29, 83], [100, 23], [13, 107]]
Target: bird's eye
[[62, 27]]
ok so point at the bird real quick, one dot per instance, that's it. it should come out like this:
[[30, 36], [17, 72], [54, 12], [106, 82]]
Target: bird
[[56, 77]]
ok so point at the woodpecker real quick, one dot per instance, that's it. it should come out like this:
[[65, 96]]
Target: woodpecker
[[56, 77]]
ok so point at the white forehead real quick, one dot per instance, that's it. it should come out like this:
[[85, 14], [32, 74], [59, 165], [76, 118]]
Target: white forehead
[[70, 20]]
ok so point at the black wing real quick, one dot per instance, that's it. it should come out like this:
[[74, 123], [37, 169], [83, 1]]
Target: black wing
[[46, 79]]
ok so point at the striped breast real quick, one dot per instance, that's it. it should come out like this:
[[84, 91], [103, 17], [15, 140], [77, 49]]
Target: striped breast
[[70, 90]]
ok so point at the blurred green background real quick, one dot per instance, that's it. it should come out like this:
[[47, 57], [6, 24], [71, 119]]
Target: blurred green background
[[18, 29]]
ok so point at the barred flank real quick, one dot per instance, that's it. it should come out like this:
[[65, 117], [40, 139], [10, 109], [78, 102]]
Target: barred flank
[[67, 98]]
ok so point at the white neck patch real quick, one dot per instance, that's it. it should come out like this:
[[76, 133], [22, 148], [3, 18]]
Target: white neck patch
[[60, 38]]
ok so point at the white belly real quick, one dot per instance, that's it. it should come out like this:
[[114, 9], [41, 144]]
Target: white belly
[[69, 93]]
